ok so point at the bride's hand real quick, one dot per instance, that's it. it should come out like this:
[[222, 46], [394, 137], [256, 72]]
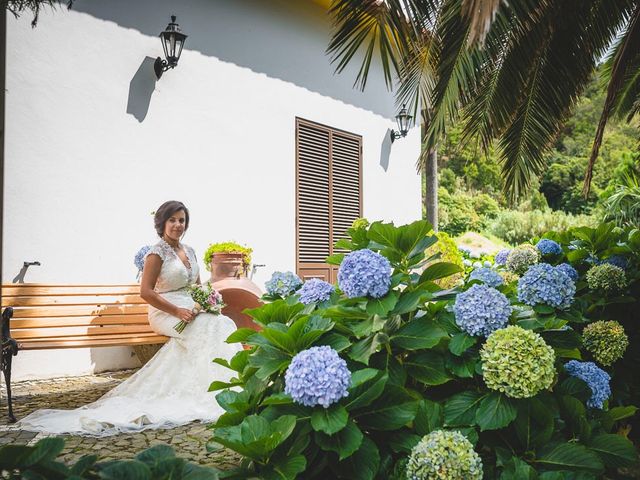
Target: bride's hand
[[185, 314]]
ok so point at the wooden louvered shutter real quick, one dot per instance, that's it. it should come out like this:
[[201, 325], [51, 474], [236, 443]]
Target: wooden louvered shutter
[[328, 191]]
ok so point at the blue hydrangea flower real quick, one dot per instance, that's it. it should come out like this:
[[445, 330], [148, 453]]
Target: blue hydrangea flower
[[138, 260], [317, 376], [466, 262], [487, 263], [315, 290], [477, 264], [481, 310], [501, 256], [283, 283], [595, 377], [618, 261], [487, 276], [549, 247], [545, 284], [568, 270], [364, 273]]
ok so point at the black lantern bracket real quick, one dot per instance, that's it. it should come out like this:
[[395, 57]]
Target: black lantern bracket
[[172, 40], [403, 119]]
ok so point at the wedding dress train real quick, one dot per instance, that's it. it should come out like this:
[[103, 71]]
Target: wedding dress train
[[171, 389]]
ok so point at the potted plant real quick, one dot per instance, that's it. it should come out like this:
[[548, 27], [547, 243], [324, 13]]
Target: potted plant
[[227, 259]]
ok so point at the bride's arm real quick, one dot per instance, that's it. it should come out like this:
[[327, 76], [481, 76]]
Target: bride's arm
[[150, 274]]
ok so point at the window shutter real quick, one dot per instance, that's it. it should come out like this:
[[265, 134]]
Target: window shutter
[[328, 194]]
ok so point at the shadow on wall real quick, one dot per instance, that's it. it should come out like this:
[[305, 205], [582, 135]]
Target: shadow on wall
[[141, 88], [385, 150], [280, 38]]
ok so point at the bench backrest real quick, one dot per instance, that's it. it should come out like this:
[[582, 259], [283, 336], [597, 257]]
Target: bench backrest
[[69, 316]]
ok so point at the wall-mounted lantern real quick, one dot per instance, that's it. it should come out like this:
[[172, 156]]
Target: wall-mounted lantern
[[172, 42], [404, 119]]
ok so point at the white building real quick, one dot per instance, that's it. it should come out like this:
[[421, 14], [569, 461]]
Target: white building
[[94, 142]]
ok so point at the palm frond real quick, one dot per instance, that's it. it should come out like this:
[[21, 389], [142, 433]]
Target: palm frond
[[628, 49], [480, 14]]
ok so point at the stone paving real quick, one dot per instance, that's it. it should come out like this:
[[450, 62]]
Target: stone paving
[[71, 392]]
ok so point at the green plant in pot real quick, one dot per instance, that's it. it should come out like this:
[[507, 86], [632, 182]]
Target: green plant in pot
[[227, 259]]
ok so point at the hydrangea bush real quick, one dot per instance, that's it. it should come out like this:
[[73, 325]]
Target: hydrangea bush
[[393, 377], [547, 285], [282, 284], [317, 376], [517, 362], [481, 310], [596, 379], [315, 290], [364, 273], [522, 257], [444, 454], [607, 278], [488, 276], [605, 340]]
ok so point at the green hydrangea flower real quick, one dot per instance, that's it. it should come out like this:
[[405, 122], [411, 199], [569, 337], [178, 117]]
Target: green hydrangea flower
[[509, 277], [606, 277], [360, 223], [517, 362], [522, 257], [444, 455], [606, 341]]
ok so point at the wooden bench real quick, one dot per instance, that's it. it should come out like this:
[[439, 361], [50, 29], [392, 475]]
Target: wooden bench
[[71, 316]]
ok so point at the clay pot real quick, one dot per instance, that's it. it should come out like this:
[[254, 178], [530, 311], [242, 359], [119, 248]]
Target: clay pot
[[226, 265], [238, 292]]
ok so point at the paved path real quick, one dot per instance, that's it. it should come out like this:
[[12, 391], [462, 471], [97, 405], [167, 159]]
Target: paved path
[[71, 392]]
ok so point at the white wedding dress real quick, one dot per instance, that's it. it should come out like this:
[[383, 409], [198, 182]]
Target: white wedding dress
[[171, 389]]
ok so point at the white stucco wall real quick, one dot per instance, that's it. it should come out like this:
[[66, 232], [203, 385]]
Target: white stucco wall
[[94, 144]]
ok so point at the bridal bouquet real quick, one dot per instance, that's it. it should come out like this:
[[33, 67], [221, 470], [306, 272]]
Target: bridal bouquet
[[207, 300]]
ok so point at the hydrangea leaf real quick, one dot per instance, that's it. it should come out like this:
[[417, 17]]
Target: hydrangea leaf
[[418, 334], [361, 376], [382, 306], [461, 408], [365, 393], [574, 413], [268, 360], [495, 411], [126, 469], [429, 417], [344, 443], [278, 311], [385, 234], [534, 424], [461, 342], [413, 235], [363, 464], [463, 367], [615, 450], [362, 350], [428, 368], [280, 339], [335, 259], [403, 441], [409, 301], [616, 414], [286, 469], [571, 456], [392, 410], [334, 340], [439, 270], [329, 420], [277, 399]]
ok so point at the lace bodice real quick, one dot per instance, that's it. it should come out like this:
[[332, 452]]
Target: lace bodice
[[174, 274]]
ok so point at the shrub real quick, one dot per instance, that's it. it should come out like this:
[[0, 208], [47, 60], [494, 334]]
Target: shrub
[[606, 341], [227, 247], [444, 454], [517, 362], [514, 226], [449, 252]]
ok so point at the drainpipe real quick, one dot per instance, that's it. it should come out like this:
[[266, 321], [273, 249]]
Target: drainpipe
[[3, 58]]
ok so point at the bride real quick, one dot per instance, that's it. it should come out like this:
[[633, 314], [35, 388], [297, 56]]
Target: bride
[[171, 389]]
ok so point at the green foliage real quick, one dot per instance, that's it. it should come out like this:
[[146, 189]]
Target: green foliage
[[38, 462], [415, 372], [227, 247], [445, 250], [514, 226]]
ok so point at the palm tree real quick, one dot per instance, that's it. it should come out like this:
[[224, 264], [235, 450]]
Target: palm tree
[[508, 71], [623, 206]]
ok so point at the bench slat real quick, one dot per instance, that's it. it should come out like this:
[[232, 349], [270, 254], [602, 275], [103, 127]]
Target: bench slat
[[78, 311], [34, 289], [44, 301], [19, 323], [44, 333], [78, 342]]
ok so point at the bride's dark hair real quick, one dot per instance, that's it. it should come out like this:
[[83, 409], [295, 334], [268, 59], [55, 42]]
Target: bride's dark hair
[[164, 213]]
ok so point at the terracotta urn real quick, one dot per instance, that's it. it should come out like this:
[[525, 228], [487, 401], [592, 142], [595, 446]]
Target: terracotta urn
[[238, 292], [226, 265]]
